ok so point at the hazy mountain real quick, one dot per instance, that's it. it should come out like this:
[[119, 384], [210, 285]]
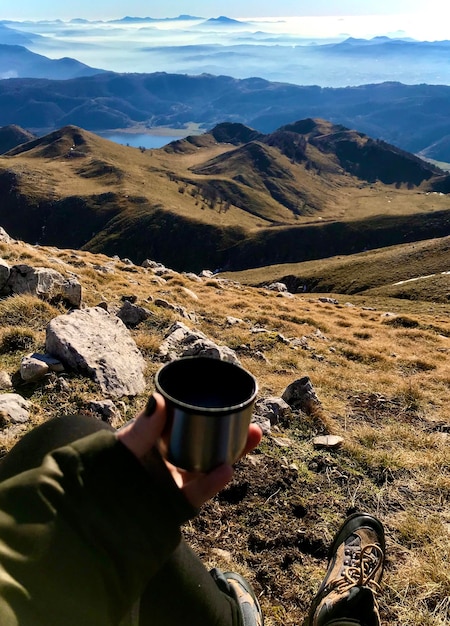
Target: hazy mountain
[[224, 21], [309, 190], [11, 37], [18, 61], [273, 50], [129, 19]]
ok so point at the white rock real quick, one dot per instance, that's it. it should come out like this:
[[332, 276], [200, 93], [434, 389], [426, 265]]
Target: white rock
[[14, 408], [100, 345]]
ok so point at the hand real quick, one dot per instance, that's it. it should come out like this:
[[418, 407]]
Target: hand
[[144, 433]]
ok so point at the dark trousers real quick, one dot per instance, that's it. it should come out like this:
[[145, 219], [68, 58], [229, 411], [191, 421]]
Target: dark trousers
[[183, 592]]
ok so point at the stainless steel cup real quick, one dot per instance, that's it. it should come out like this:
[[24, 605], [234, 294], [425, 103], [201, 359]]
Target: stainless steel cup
[[209, 404]]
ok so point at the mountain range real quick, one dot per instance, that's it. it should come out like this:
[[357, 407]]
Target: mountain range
[[232, 198], [414, 117]]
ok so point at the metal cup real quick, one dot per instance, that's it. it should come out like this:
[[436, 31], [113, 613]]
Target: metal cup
[[209, 406]]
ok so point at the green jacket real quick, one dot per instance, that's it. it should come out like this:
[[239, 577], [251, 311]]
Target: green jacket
[[82, 535]]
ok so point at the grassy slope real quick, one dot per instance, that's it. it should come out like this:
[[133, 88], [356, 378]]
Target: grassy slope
[[383, 381], [75, 189], [375, 272]]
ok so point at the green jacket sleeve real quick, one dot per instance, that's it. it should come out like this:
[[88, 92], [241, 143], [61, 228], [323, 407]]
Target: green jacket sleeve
[[82, 535]]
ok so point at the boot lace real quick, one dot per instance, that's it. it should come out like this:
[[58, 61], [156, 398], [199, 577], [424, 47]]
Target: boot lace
[[360, 568]]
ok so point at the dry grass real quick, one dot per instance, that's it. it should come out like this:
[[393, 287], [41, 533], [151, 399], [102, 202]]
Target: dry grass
[[415, 271], [384, 383]]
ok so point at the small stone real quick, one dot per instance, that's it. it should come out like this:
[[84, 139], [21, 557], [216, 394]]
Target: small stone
[[329, 300], [192, 277], [261, 356], [280, 287], [132, 314], [189, 293], [5, 380], [130, 298], [282, 442], [33, 369], [14, 408], [222, 554], [232, 321], [149, 264], [301, 395], [35, 366], [62, 385], [274, 409], [105, 409], [328, 441]]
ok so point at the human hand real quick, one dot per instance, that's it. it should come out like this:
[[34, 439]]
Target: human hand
[[144, 433]]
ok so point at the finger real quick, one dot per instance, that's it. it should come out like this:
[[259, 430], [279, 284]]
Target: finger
[[144, 432], [205, 486], [253, 439]]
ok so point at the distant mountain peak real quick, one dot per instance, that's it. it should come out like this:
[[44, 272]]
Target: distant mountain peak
[[224, 21]]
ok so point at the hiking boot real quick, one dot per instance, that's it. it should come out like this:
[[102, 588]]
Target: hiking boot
[[235, 586], [348, 593]]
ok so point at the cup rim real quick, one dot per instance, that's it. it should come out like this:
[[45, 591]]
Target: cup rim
[[192, 408]]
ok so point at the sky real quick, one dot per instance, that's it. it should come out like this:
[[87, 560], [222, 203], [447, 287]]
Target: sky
[[110, 9]]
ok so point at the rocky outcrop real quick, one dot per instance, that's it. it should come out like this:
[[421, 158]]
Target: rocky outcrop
[[98, 344], [43, 282]]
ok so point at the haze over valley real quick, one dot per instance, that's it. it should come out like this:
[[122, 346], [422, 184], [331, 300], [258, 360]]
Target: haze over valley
[[325, 51]]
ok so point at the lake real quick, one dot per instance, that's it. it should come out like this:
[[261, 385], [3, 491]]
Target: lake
[[136, 140]]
